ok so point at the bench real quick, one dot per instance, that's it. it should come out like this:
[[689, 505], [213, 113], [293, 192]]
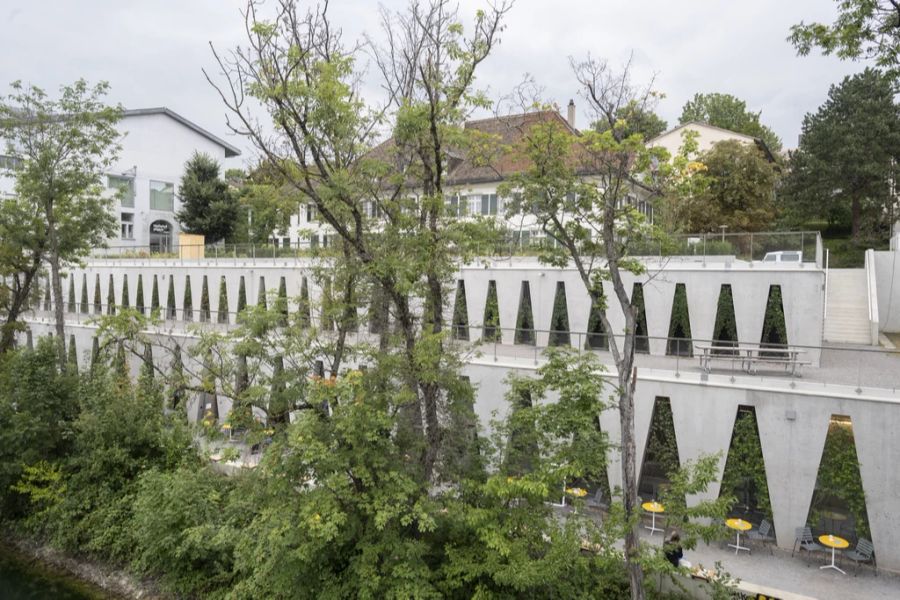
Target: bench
[[752, 357]]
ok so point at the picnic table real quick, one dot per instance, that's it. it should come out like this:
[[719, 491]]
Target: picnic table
[[751, 357]]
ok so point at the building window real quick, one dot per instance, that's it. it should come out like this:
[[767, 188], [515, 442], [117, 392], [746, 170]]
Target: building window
[[489, 204], [160, 236], [311, 216], [286, 242], [373, 210], [127, 224], [10, 163], [124, 187], [162, 196], [456, 206]]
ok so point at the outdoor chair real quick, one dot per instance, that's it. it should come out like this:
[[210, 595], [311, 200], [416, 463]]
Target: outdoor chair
[[863, 553], [762, 534], [596, 501], [804, 540]]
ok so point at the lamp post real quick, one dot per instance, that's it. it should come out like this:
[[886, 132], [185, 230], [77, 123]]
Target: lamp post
[[723, 228]]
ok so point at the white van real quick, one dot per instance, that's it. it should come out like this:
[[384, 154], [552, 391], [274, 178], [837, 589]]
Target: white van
[[784, 256]]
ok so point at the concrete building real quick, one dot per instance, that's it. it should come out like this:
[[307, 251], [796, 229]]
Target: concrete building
[[156, 144], [707, 136]]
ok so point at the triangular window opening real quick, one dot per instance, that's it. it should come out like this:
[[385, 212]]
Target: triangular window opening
[[242, 295], [188, 304], [84, 308], [282, 302], [223, 301], [525, 317], [171, 309], [661, 455], [126, 300], [774, 333], [111, 296], [491, 323], [744, 476], [139, 295], [596, 336], [460, 313], [559, 321], [303, 308], [679, 338], [261, 295], [641, 337], [205, 313], [98, 302], [71, 300], [725, 339]]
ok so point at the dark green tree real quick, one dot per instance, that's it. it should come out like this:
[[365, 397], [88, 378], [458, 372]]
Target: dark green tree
[[728, 112], [848, 153], [633, 118], [208, 207]]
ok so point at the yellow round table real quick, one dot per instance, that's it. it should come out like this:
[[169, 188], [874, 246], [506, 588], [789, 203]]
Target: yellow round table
[[738, 525], [834, 542], [653, 508]]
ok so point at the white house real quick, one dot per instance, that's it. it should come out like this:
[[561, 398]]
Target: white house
[[156, 144], [707, 136]]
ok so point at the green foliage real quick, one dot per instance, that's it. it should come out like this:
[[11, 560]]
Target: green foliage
[[460, 313], [848, 153], [223, 301], [126, 302], [679, 342], [633, 119], [839, 483], [266, 202], [72, 359], [596, 338], [139, 293], [261, 294], [205, 313], [661, 460], [242, 296], [559, 320], [111, 296], [208, 207], [70, 305], [739, 191], [744, 478], [863, 29], [728, 112], [171, 310], [303, 304], [641, 339], [525, 317], [774, 333], [725, 327], [491, 331], [187, 306]]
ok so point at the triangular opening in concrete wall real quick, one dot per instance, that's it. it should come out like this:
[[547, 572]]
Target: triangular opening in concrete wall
[[774, 333], [522, 446], [679, 342], [725, 338], [72, 358], [261, 294], [242, 295], [525, 317], [596, 334], [223, 301], [559, 320], [71, 300], [491, 331], [205, 311], [328, 308], [460, 313], [154, 295], [111, 296], [188, 305], [47, 300], [139, 298], [282, 302], [461, 443], [171, 309], [98, 299], [661, 454], [744, 476], [84, 308], [641, 339], [126, 296], [95, 352], [178, 385], [838, 505], [303, 308], [147, 371]]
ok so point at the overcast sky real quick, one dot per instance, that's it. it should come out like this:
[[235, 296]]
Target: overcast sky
[[152, 51]]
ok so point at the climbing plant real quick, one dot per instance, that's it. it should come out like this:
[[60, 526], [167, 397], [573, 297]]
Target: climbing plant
[[525, 317], [559, 321], [661, 455], [187, 307], [154, 295], [98, 303], [839, 483], [679, 342], [111, 297], [522, 451], [597, 338], [223, 301], [71, 300], [744, 477], [641, 337], [261, 294], [242, 296], [774, 334], [83, 308], [282, 302], [139, 300], [725, 328], [460, 313], [126, 301], [303, 308], [205, 313], [171, 310], [491, 323]]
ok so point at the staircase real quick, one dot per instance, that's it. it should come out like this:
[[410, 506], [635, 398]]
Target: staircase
[[847, 318]]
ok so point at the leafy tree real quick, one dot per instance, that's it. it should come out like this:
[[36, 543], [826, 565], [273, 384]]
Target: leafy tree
[[266, 203], [863, 29], [848, 152], [22, 249], [728, 112], [65, 145], [739, 191], [633, 119], [208, 207]]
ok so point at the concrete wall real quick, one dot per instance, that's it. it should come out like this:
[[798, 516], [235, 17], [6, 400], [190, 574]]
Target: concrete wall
[[887, 278]]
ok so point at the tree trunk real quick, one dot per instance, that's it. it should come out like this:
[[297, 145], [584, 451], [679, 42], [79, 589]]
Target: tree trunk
[[58, 309], [627, 380], [18, 301]]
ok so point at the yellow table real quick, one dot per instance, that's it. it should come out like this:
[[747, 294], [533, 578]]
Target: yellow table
[[833, 542], [738, 525], [653, 508]]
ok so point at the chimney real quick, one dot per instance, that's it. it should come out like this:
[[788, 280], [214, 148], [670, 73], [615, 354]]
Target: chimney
[[570, 114]]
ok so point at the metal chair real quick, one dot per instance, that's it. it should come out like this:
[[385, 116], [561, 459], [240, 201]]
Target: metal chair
[[804, 540], [762, 534], [863, 553]]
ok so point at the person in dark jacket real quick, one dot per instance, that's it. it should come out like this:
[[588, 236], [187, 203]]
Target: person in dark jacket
[[674, 552]]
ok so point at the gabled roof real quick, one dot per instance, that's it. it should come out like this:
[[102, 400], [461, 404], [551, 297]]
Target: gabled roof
[[760, 143], [162, 110]]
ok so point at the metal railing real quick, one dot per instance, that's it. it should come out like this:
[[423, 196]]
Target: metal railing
[[872, 296]]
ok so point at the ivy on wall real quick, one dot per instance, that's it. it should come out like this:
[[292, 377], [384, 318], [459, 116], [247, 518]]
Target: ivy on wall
[[261, 294], [71, 300], [725, 328], [525, 317], [744, 477], [303, 309], [171, 310], [661, 455], [223, 301], [111, 297], [188, 305], [460, 313], [559, 321], [154, 295], [126, 300], [205, 313], [282, 302], [84, 294], [491, 322], [839, 483], [641, 339], [98, 302], [139, 300], [679, 342], [774, 334], [597, 338], [242, 295], [522, 452]]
